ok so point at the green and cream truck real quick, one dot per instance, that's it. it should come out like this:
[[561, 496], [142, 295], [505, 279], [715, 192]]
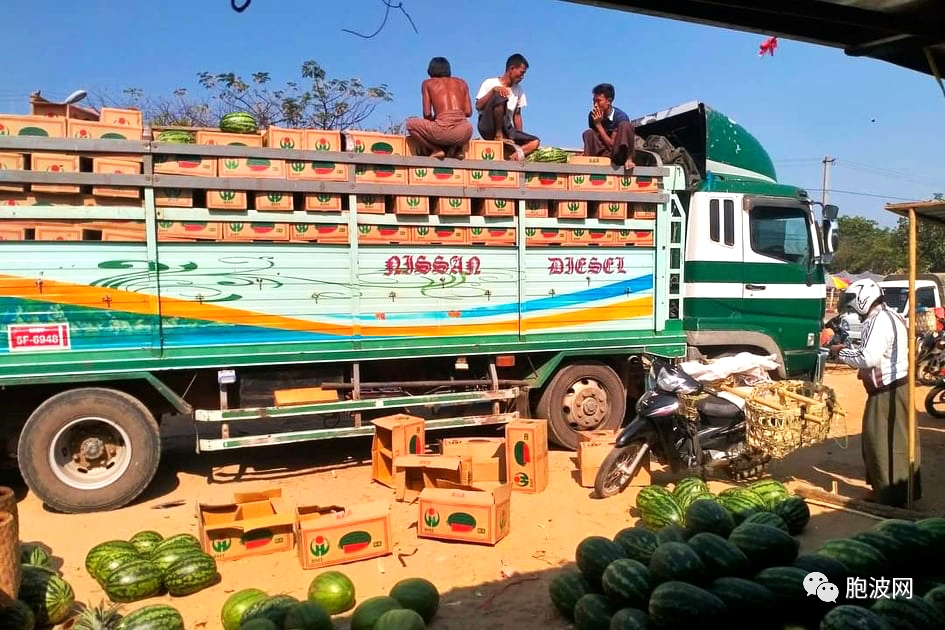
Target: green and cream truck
[[310, 281]]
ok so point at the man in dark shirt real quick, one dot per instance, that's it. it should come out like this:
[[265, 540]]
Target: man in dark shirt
[[610, 132]]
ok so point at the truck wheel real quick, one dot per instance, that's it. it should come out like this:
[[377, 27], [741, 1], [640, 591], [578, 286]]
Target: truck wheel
[[582, 397], [89, 450]]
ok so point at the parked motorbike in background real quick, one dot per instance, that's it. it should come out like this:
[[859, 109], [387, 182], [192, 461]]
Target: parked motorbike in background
[[661, 428], [930, 357]]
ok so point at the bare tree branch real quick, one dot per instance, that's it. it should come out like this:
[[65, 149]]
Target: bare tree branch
[[317, 101]]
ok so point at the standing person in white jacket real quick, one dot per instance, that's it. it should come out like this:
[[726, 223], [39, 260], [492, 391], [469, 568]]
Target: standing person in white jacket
[[883, 363]]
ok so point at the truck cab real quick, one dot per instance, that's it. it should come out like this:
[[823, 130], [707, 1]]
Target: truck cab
[[755, 251]]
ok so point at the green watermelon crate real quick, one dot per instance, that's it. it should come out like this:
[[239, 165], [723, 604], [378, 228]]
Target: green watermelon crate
[[253, 524]]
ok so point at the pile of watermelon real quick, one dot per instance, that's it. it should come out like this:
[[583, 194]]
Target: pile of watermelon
[[148, 564], [722, 565], [410, 605], [44, 598]]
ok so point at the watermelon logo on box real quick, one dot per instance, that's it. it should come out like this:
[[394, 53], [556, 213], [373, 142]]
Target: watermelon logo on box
[[256, 538], [521, 480], [431, 518], [220, 545], [323, 145], [274, 197], [413, 448], [286, 143], [353, 542], [461, 522], [323, 168], [522, 453], [442, 173], [487, 154], [319, 547]]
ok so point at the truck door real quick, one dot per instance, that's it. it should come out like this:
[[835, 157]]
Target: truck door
[[714, 263], [783, 292]]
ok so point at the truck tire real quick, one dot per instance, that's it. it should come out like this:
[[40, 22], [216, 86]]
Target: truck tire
[[89, 450], [582, 397]]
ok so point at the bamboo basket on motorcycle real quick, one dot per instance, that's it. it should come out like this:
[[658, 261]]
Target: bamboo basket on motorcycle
[[784, 416]]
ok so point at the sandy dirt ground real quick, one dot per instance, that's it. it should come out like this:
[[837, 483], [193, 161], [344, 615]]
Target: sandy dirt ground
[[481, 586]]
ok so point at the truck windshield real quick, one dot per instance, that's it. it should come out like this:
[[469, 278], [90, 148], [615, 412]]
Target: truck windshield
[[782, 233]]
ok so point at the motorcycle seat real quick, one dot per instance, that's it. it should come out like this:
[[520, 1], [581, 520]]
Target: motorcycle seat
[[715, 407]]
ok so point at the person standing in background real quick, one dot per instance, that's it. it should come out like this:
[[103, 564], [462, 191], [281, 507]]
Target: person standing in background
[[883, 363]]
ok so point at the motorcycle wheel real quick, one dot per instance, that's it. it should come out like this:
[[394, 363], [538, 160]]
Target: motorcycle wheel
[[619, 468], [935, 402]]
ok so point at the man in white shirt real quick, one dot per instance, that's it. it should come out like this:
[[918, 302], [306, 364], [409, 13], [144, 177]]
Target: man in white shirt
[[883, 362], [500, 101]]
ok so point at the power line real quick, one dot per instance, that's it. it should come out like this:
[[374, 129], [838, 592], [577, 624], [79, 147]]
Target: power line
[[861, 194]]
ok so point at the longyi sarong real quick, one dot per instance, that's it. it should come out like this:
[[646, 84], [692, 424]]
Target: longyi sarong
[[450, 129]]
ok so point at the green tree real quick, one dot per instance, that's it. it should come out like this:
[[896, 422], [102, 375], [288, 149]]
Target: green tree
[[865, 246], [316, 101], [930, 245]]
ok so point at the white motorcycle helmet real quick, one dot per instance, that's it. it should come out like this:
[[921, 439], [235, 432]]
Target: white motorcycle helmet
[[862, 294]]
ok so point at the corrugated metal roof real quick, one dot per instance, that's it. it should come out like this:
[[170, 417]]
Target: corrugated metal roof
[[902, 32]]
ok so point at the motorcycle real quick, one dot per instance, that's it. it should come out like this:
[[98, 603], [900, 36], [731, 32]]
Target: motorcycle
[[930, 357], [717, 441], [935, 399]]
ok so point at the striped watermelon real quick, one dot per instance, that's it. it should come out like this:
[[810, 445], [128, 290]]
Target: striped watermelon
[[916, 542], [34, 555], [231, 615], [97, 554], [177, 540], [848, 617], [308, 616], [113, 563], [681, 605], [593, 612], [417, 594], [765, 546], [400, 619], [566, 589], [333, 590], [908, 613], [743, 596], [370, 610], [936, 598], [274, 608], [191, 574], [638, 543], [741, 502], [238, 122], [593, 554], [145, 541], [176, 137], [659, 513], [49, 596], [672, 533], [675, 561], [894, 550], [165, 557], [770, 490], [630, 619], [795, 513], [860, 559], [831, 567], [686, 491], [768, 518], [652, 495], [134, 581], [155, 616], [935, 528], [705, 515], [720, 557], [787, 586], [627, 583]]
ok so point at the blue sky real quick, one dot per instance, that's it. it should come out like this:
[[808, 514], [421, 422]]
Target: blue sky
[[881, 122]]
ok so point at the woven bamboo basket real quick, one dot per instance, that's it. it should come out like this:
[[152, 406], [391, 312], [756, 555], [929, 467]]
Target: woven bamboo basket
[[687, 402], [784, 416], [9, 560], [8, 504]]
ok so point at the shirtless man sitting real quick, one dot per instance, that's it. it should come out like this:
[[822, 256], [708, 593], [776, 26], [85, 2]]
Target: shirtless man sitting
[[500, 101], [444, 129]]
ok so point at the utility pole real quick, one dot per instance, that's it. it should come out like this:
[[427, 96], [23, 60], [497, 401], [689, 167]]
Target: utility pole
[[827, 161]]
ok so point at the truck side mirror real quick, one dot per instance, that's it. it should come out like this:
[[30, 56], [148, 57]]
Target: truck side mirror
[[831, 239], [831, 212]]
